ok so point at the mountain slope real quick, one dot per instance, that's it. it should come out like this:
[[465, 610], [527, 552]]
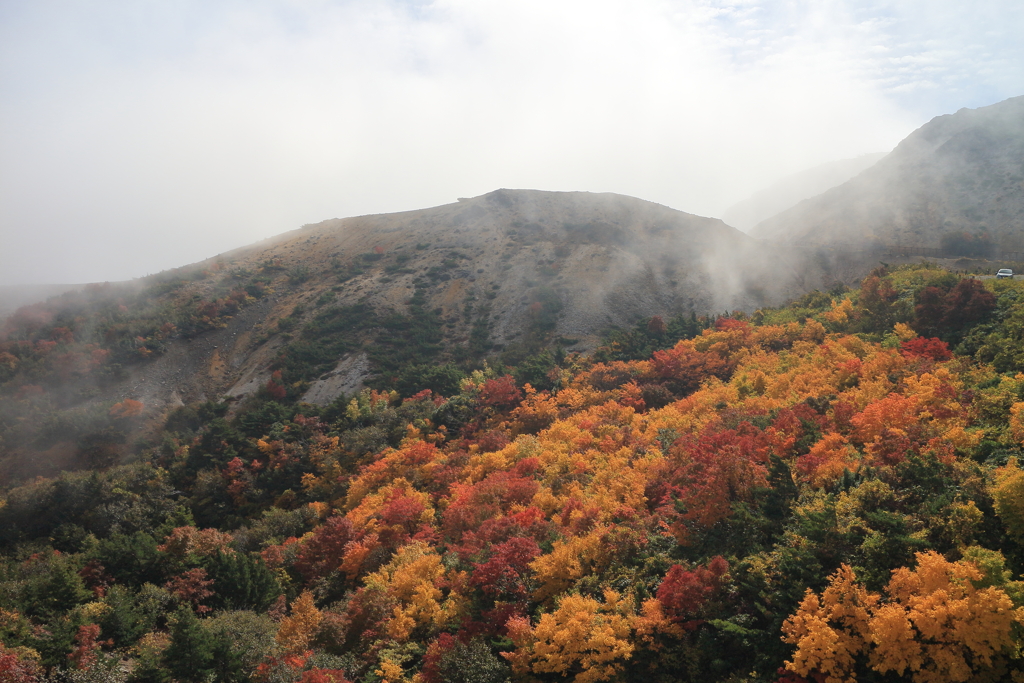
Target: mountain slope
[[960, 175], [397, 300], [573, 264], [794, 189]]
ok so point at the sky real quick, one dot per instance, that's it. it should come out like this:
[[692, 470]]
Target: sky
[[141, 135]]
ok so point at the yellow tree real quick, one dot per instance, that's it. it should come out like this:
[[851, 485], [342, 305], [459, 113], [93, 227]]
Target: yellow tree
[[829, 632], [568, 562], [938, 625], [300, 627], [1008, 494], [583, 637], [412, 578], [934, 626]]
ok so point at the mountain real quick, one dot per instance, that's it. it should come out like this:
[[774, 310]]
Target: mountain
[[956, 183], [397, 301], [794, 189]]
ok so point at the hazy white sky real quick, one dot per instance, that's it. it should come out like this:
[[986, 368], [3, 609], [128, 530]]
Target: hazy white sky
[[142, 135]]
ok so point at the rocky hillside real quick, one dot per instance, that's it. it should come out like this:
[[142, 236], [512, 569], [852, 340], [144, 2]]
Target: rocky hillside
[[955, 183]]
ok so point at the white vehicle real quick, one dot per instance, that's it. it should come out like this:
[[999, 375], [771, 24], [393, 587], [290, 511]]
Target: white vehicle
[[1005, 272]]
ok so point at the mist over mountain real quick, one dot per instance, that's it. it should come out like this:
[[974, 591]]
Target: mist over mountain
[[795, 188], [13, 297], [957, 179]]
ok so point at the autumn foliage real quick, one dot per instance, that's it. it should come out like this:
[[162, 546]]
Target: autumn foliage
[[810, 494], [932, 624]]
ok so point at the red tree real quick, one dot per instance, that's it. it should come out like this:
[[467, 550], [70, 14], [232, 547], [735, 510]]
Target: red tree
[[325, 550], [192, 587], [919, 347], [656, 325], [14, 670], [500, 393], [967, 304], [682, 593], [86, 647], [503, 574]]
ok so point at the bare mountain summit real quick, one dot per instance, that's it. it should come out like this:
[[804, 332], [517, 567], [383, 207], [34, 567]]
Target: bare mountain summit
[[957, 180]]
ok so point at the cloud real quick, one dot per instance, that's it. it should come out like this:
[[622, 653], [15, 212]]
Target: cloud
[[137, 136]]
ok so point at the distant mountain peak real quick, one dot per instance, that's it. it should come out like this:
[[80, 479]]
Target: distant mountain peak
[[795, 188], [959, 174]]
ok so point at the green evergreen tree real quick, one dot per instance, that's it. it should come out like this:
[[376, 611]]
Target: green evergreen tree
[[127, 618], [241, 581], [190, 655], [57, 591], [783, 490], [132, 560], [226, 662], [148, 669]]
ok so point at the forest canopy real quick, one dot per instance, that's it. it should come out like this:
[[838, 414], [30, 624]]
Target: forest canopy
[[828, 491]]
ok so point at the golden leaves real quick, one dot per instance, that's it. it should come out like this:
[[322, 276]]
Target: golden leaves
[[414, 578], [1008, 494], [300, 627], [1017, 422], [582, 636], [568, 562], [934, 624]]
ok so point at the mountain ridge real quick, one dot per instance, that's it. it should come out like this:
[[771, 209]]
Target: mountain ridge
[[959, 174], [795, 188]]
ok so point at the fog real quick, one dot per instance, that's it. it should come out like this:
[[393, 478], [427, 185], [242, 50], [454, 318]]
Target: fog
[[139, 136]]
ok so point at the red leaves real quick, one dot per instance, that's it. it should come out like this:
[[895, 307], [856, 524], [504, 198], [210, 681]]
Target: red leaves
[[431, 672], [209, 309], [275, 386], [656, 325], [503, 574], [325, 550], [86, 647], [192, 587], [682, 593], [878, 298], [62, 335], [705, 475], [126, 408], [965, 304], [15, 670], [687, 367], [95, 577], [919, 347], [500, 393], [472, 505], [528, 522], [400, 518]]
